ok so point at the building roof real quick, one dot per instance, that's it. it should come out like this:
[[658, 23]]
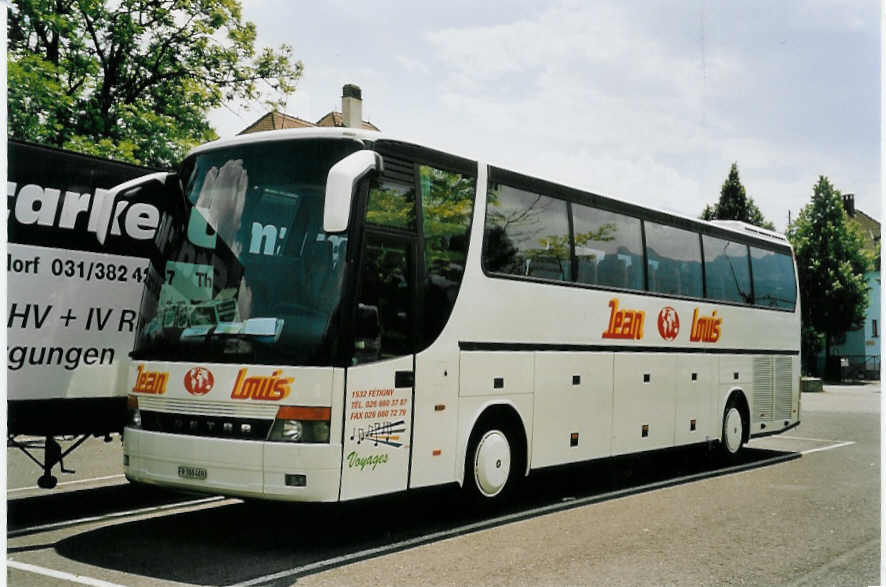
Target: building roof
[[336, 119], [869, 228], [274, 120]]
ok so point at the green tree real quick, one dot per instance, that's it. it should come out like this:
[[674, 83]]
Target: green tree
[[831, 263], [134, 79], [447, 204], [735, 204]]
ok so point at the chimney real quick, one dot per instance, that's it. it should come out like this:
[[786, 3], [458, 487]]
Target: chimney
[[351, 106], [849, 204]]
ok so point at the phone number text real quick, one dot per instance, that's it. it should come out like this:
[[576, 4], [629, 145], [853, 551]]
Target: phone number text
[[96, 270]]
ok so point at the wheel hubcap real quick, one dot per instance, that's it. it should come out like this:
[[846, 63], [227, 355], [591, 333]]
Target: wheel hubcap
[[492, 463], [732, 430]]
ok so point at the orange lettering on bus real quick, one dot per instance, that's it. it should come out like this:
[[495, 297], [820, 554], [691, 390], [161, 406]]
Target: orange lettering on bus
[[273, 388], [150, 381], [624, 323], [705, 328]]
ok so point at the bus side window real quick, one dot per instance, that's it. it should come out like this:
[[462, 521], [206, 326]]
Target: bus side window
[[612, 271], [391, 204], [607, 247], [447, 203], [727, 272], [385, 300], [527, 234], [773, 275], [674, 259], [587, 268]]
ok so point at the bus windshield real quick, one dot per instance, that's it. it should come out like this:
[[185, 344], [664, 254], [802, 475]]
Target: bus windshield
[[247, 274]]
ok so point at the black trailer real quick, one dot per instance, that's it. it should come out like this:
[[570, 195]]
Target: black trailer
[[71, 301]]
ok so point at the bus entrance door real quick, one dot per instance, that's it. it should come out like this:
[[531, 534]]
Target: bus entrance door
[[379, 390]]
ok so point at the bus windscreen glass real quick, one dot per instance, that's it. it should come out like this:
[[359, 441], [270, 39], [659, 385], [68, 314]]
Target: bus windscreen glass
[[248, 274]]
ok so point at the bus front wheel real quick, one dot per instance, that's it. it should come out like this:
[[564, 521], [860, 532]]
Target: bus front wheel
[[490, 467], [733, 431]]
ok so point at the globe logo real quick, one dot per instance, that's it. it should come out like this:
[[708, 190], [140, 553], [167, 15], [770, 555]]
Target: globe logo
[[668, 323], [199, 381]]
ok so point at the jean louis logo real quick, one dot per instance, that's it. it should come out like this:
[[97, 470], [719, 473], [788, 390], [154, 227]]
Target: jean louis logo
[[273, 388], [199, 381], [705, 328], [153, 382], [624, 323], [668, 323]]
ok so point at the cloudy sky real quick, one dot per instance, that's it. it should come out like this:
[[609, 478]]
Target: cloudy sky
[[646, 101]]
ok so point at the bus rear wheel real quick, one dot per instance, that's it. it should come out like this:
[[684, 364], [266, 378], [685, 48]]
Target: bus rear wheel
[[733, 435], [491, 464]]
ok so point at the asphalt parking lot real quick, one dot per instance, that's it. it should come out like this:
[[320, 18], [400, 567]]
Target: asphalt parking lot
[[801, 508]]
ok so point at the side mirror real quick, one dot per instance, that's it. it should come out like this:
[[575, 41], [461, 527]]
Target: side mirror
[[106, 201], [340, 184]]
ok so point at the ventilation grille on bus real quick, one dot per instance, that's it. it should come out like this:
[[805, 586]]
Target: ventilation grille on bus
[[763, 408], [398, 170], [784, 379], [211, 426], [207, 408], [773, 388]]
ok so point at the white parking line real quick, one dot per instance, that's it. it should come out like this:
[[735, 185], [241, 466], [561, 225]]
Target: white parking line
[[834, 443], [517, 516], [119, 476], [80, 579], [112, 516], [833, 446], [404, 544], [809, 439]]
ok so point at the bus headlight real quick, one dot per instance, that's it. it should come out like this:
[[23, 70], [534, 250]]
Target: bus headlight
[[293, 430], [134, 419], [304, 424]]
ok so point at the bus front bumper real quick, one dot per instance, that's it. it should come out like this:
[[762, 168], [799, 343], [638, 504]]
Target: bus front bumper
[[238, 468]]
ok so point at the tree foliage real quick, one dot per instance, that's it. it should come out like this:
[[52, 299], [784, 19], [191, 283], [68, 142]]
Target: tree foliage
[[134, 79], [560, 246], [735, 204], [831, 263], [447, 204], [447, 200]]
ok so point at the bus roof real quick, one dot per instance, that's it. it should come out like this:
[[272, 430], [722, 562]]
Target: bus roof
[[734, 226], [289, 134]]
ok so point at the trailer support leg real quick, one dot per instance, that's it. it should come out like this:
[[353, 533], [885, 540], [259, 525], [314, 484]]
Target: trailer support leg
[[52, 454]]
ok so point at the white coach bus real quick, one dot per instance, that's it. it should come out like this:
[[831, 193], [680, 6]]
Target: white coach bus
[[332, 315]]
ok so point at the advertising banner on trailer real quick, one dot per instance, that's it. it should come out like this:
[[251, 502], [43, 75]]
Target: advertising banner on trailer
[[72, 303]]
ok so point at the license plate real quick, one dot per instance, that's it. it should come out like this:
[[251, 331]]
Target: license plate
[[197, 473]]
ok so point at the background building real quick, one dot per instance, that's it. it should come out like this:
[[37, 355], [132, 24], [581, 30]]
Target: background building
[[861, 349], [351, 115]]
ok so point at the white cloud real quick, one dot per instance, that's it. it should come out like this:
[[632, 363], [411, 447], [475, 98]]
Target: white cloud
[[650, 102], [839, 15], [597, 105], [660, 103], [599, 38], [413, 65]]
